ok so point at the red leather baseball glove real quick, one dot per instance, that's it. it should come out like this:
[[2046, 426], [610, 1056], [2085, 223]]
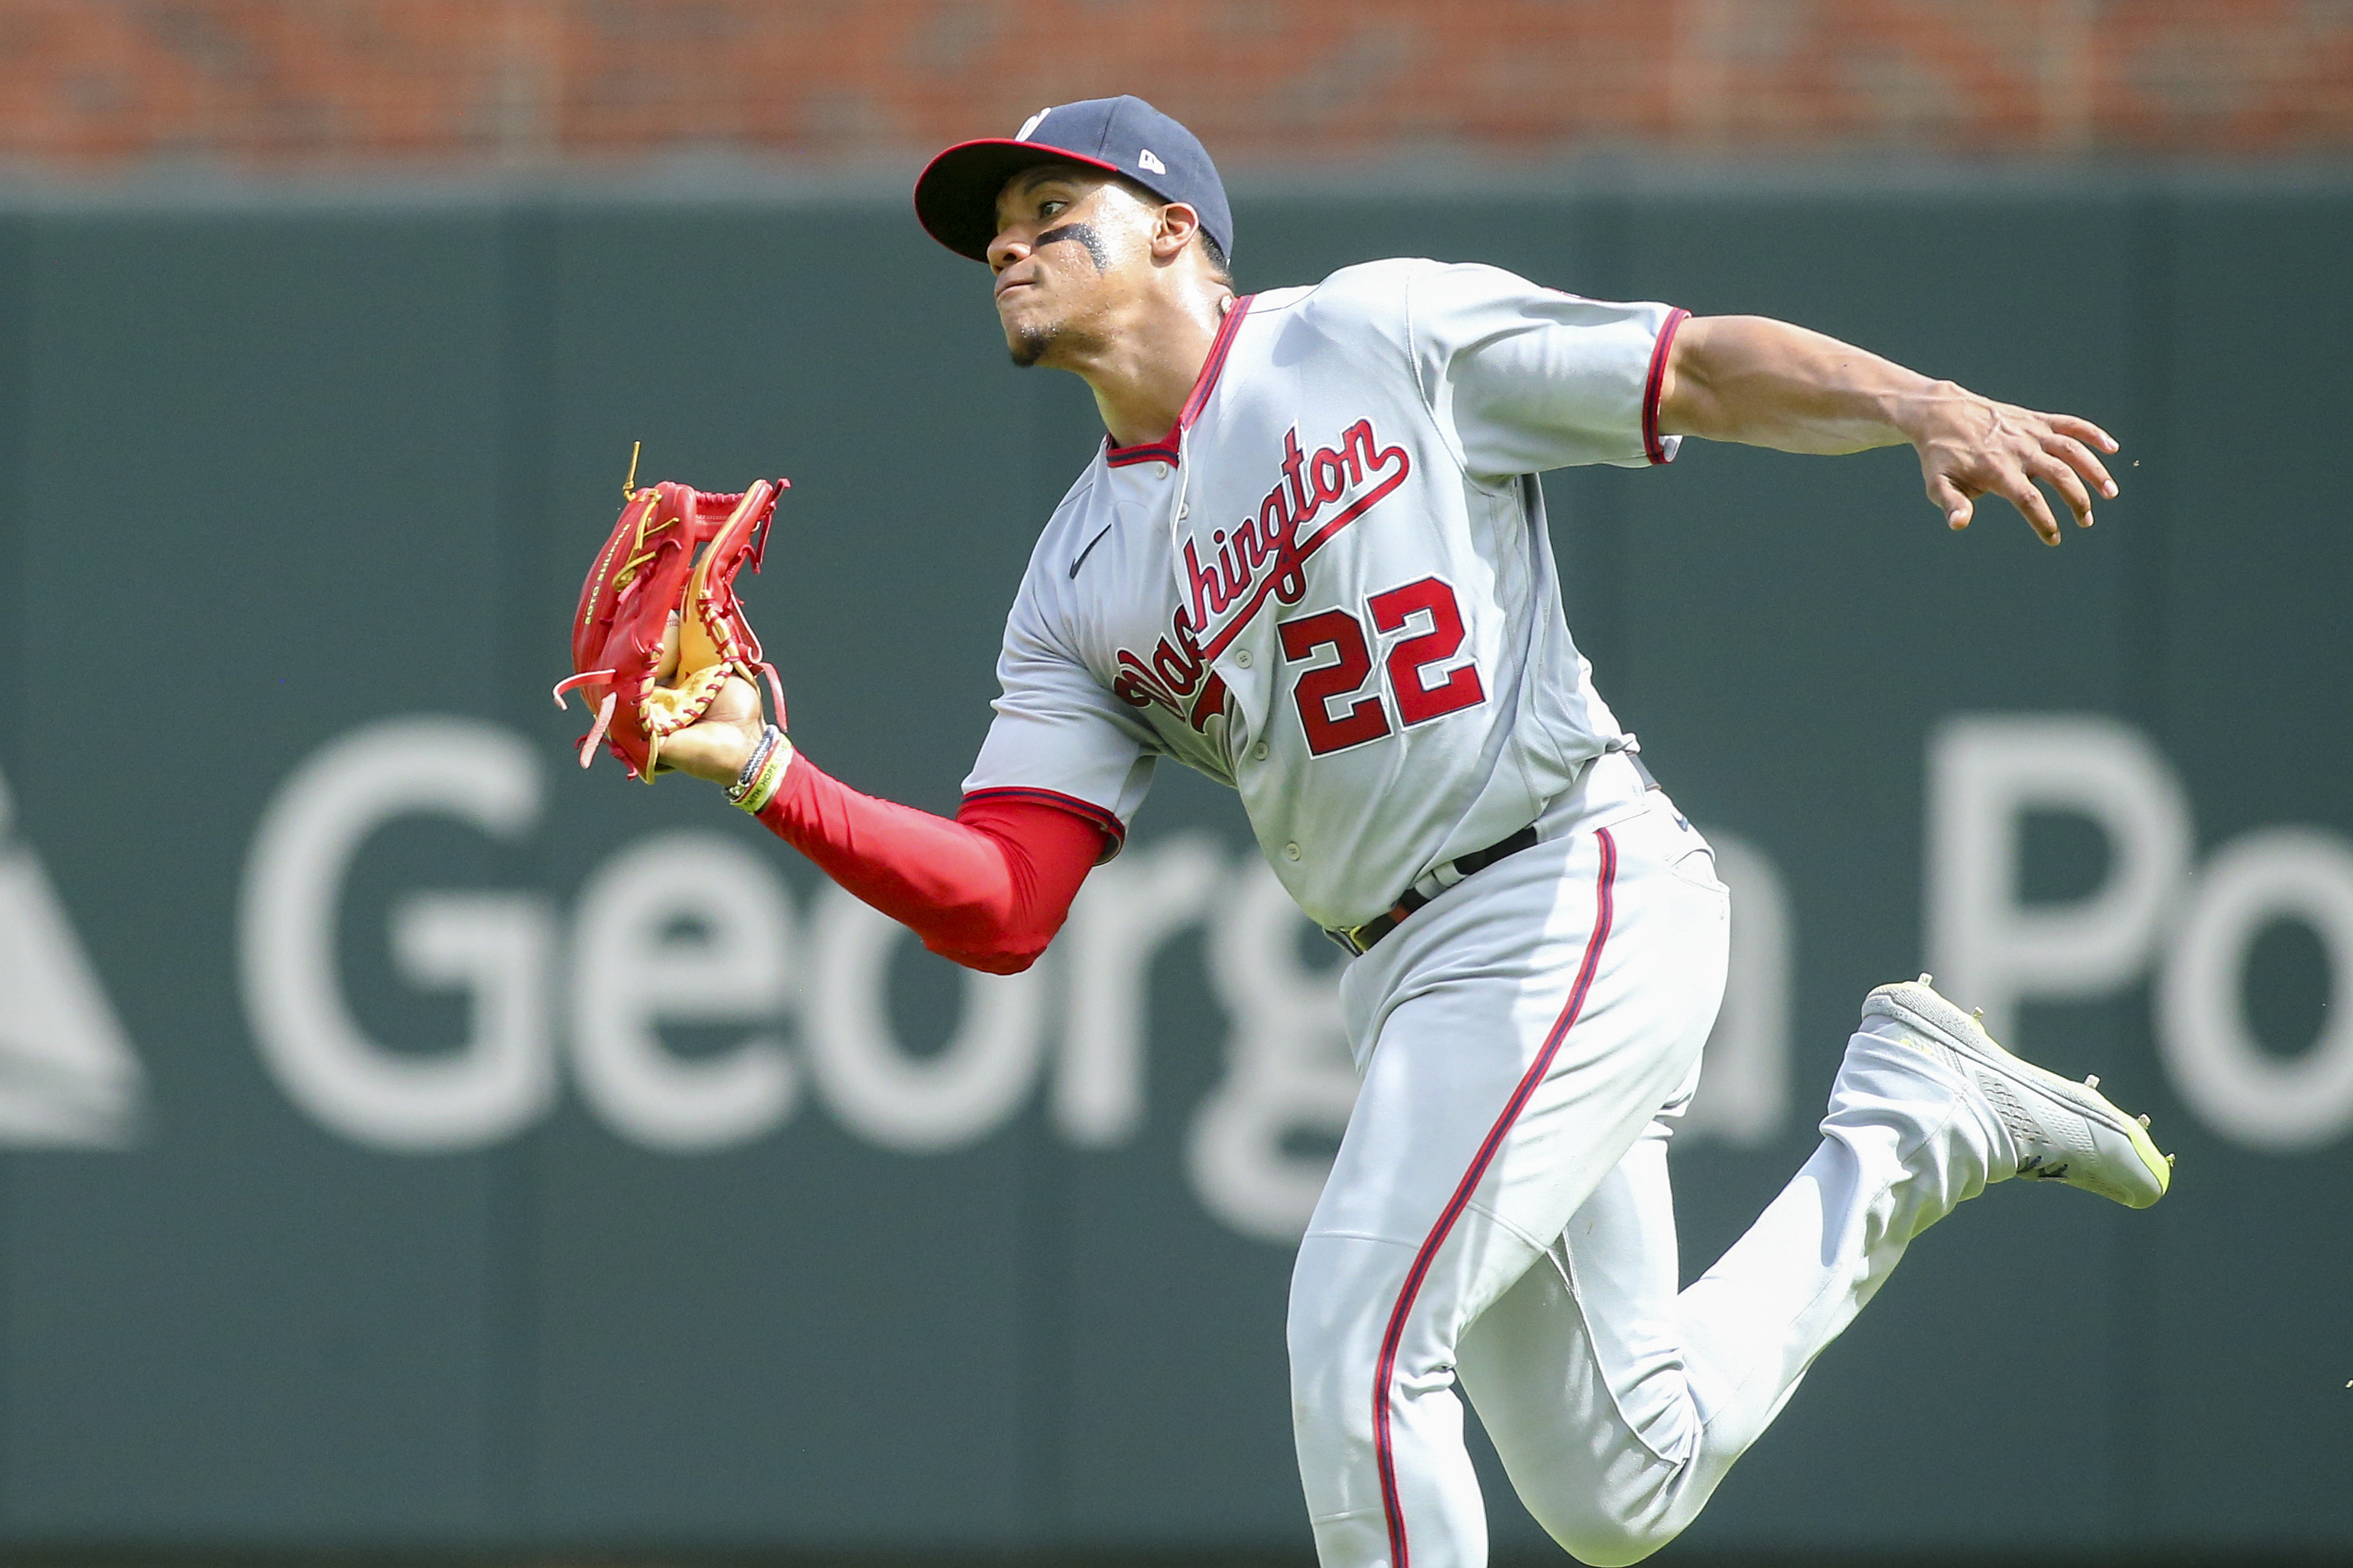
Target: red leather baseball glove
[[674, 551]]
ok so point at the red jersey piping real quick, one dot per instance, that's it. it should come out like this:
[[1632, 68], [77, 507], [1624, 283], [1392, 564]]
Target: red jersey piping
[[1108, 822], [1165, 449], [1653, 447]]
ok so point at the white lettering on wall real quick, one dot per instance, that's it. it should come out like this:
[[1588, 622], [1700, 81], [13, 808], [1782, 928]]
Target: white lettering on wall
[[699, 929], [2281, 1105], [67, 1075], [494, 946], [872, 1084], [684, 928], [1743, 1086], [1987, 771], [1125, 912], [1288, 1075], [1985, 775]]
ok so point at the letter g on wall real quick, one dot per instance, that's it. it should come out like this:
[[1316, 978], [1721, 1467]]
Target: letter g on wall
[[495, 946]]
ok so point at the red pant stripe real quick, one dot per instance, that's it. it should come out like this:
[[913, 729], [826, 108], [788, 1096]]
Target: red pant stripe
[[1386, 1370]]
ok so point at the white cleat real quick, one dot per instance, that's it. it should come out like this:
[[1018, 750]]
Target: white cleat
[[2064, 1131]]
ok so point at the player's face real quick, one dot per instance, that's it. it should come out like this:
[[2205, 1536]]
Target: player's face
[[1065, 238]]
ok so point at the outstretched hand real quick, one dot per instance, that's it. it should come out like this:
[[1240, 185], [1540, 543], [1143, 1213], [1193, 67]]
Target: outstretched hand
[[1769, 384], [1971, 446], [717, 745]]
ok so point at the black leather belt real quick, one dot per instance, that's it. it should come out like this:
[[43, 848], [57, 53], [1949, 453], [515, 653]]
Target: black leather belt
[[1359, 940]]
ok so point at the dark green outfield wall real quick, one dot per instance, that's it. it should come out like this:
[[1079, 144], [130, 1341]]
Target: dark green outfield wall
[[327, 1224]]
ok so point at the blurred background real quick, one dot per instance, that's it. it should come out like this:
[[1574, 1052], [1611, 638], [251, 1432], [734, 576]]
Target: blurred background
[[419, 1149], [373, 87]]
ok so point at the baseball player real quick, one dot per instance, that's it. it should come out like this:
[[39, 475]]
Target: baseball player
[[1311, 561]]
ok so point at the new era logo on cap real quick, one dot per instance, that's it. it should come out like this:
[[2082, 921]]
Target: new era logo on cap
[[956, 196]]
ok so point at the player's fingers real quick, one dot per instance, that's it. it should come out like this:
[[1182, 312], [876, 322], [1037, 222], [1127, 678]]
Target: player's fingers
[[668, 665], [737, 703], [2083, 430], [2082, 460], [1951, 499], [716, 745], [2019, 491], [2067, 482]]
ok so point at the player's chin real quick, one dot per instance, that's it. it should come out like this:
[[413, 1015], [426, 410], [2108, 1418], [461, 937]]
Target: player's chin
[[1029, 342]]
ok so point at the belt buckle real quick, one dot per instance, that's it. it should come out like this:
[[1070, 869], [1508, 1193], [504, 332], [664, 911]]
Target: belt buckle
[[1355, 938]]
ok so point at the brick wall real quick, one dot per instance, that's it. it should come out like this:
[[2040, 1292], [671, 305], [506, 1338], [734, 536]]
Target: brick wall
[[94, 86]]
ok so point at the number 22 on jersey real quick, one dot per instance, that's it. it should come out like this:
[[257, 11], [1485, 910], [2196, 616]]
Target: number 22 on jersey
[[1419, 688]]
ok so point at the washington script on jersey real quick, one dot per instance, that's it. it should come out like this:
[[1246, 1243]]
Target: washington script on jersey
[[1263, 553]]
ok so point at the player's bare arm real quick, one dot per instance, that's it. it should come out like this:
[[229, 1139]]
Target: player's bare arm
[[1768, 383]]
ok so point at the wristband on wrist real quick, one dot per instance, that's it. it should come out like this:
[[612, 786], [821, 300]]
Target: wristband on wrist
[[757, 760], [756, 784]]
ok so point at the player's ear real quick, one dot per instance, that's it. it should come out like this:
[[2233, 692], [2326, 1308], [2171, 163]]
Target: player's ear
[[1174, 230]]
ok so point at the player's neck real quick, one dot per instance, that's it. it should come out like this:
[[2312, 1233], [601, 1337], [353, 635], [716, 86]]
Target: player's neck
[[1142, 373]]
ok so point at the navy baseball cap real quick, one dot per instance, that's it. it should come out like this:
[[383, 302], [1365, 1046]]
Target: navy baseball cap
[[955, 197]]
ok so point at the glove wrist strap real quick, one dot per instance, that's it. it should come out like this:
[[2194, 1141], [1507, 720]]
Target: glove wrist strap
[[756, 784]]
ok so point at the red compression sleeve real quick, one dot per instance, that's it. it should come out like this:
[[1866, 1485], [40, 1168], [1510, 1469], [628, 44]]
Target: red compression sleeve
[[988, 890]]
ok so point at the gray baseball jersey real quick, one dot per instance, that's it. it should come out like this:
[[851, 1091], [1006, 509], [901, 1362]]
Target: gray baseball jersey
[[1331, 585]]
